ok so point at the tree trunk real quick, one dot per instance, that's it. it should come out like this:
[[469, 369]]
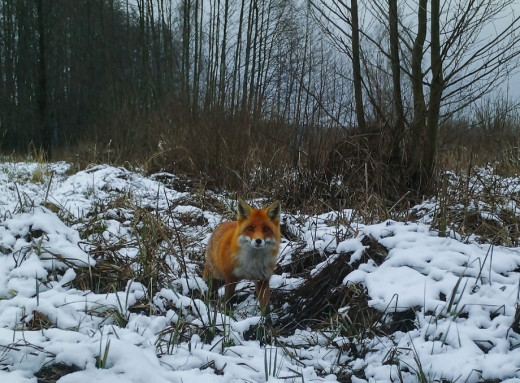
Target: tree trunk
[[398, 112], [255, 58], [222, 75], [185, 71], [436, 88], [419, 107], [45, 131], [237, 61], [356, 67], [197, 56], [249, 35]]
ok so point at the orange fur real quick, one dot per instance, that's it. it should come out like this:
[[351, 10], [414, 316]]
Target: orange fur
[[245, 249]]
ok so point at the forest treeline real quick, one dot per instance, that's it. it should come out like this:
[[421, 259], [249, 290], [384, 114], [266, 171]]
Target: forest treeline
[[223, 88], [84, 60]]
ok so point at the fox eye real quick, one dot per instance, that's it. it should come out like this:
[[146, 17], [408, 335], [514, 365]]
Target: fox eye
[[266, 229], [250, 228]]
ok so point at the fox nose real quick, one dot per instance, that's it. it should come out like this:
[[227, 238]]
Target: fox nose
[[258, 241]]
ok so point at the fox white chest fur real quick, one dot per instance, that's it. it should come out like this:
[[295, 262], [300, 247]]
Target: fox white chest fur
[[255, 260]]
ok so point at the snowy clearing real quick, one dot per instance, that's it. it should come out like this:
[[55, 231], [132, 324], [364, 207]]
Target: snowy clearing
[[60, 230]]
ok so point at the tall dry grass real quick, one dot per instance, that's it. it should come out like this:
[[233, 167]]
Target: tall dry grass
[[308, 168]]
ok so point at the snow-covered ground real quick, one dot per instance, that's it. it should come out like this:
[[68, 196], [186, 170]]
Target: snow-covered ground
[[464, 293]]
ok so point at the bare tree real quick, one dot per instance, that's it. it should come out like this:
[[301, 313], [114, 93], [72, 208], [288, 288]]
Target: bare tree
[[398, 125], [237, 59], [45, 131], [416, 80], [356, 65], [341, 24], [197, 55], [186, 32], [436, 89], [223, 61], [468, 56]]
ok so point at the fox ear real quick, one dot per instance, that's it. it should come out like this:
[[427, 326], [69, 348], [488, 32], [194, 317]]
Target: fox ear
[[243, 209], [273, 210]]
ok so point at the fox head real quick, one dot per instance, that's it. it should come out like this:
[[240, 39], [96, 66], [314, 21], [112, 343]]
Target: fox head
[[259, 227]]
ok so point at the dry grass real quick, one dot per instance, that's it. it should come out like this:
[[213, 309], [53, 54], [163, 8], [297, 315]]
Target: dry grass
[[53, 372], [479, 204], [310, 170], [151, 240]]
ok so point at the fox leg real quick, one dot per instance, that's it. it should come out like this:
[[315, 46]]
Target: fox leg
[[213, 284], [230, 287], [263, 292]]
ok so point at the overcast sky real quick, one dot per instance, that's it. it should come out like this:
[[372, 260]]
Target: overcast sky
[[513, 85]]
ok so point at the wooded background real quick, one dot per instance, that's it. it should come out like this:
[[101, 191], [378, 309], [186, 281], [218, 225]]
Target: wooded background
[[328, 87]]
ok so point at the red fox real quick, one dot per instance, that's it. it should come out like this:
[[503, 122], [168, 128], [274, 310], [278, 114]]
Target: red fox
[[245, 249]]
